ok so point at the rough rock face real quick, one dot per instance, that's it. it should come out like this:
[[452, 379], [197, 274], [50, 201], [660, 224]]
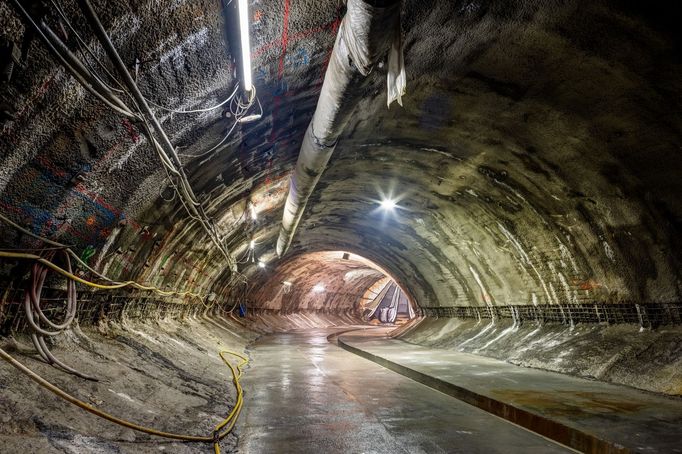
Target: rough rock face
[[536, 160]]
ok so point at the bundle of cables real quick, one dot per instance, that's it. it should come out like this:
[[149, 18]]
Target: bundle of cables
[[136, 109], [32, 295], [137, 106], [35, 315]]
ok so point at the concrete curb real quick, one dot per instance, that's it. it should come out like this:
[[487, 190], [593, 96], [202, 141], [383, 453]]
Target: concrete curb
[[570, 436]]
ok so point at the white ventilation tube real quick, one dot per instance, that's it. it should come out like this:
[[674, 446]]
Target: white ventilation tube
[[365, 36]]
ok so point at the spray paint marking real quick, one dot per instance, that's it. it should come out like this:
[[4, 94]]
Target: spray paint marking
[[284, 39], [38, 94], [333, 26], [300, 58], [132, 132], [100, 216]]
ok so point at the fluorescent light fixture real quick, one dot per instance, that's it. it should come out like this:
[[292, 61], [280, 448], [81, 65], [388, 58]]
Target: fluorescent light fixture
[[287, 283], [261, 264], [254, 214], [252, 244], [388, 204], [319, 288], [246, 46]]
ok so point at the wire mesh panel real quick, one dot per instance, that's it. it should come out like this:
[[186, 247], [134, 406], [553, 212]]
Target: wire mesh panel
[[93, 306], [646, 315]]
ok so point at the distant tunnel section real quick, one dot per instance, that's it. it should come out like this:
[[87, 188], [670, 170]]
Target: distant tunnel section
[[331, 282]]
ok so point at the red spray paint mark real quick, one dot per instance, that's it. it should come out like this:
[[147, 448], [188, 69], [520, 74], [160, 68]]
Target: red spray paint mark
[[44, 162], [38, 94], [333, 25], [284, 40], [132, 132]]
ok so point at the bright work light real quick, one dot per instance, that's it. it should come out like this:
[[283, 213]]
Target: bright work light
[[388, 204], [246, 46]]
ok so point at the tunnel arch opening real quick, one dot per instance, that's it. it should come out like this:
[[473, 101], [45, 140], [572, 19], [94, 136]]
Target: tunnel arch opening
[[335, 282]]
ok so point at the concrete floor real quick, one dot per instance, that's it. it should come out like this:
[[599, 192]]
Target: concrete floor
[[305, 395], [621, 417]]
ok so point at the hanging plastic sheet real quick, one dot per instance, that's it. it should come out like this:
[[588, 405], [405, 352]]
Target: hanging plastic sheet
[[396, 80]]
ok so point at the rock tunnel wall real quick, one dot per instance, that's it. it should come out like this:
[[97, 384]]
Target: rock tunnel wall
[[625, 354], [535, 161]]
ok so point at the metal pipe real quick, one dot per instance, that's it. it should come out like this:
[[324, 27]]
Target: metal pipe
[[365, 36]]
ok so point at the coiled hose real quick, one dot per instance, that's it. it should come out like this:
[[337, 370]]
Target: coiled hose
[[35, 315]]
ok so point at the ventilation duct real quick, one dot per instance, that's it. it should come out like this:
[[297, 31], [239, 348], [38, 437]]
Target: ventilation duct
[[366, 34]]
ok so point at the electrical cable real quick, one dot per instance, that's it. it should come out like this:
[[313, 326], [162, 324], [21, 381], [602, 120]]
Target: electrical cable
[[207, 109], [220, 431], [68, 56], [86, 79], [215, 147], [96, 85], [35, 315], [161, 189], [32, 295], [82, 44], [239, 112], [115, 284], [166, 146], [66, 64]]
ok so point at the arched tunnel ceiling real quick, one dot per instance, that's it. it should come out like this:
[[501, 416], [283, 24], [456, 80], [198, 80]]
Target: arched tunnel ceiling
[[329, 280], [536, 159]]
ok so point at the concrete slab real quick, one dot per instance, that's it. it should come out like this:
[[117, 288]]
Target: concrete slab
[[590, 416]]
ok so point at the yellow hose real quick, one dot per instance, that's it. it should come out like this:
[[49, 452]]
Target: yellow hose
[[217, 435], [116, 285], [229, 421]]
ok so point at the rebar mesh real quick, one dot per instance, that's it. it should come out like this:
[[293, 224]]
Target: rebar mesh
[[646, 315]]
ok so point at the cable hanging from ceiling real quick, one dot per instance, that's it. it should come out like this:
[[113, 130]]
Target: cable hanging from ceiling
[[140, 111]]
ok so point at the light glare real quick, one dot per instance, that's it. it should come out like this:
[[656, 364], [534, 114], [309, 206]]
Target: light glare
[[319, 288], [388, 204], [261, 264]]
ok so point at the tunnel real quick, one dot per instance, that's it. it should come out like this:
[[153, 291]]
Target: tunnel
[[359, 226]]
